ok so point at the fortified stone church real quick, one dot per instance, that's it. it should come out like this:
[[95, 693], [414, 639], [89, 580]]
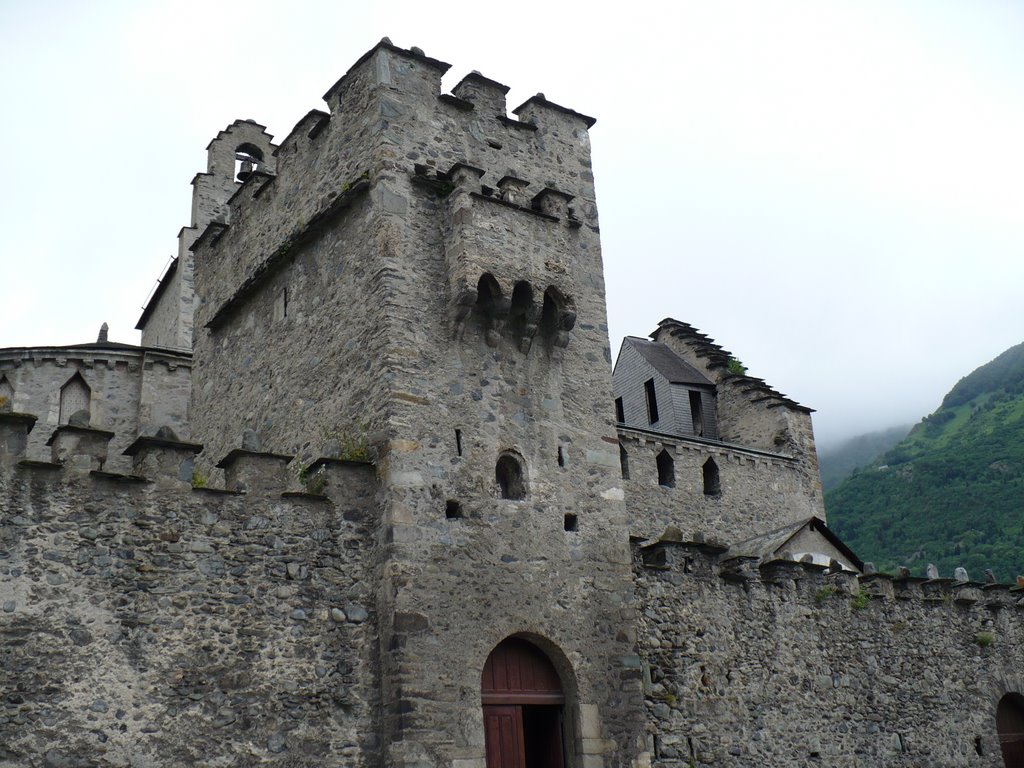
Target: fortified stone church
[[370, 494]]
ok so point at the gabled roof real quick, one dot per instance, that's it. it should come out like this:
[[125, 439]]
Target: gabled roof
[[773, 543], [668, 363]]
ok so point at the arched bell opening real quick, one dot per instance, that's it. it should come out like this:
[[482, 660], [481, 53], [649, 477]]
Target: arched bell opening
[[524, 708], [666, 469], [1010, 725], [248, 158]]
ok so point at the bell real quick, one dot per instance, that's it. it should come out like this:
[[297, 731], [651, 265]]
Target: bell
[[245, 171]]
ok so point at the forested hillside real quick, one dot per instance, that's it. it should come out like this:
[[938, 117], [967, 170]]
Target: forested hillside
[[952, 492], [839, 462]]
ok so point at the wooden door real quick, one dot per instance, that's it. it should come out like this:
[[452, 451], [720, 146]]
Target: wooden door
[[503, 734], [522, 700]]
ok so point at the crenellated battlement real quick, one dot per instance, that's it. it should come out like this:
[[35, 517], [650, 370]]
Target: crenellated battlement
[[166, 465], [380, 103], [820, 586]]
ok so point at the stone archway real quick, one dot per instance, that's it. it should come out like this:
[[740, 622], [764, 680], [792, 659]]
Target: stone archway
[[523, 707]]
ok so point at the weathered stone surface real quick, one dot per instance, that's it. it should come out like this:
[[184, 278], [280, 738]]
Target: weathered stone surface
[[366, 294]]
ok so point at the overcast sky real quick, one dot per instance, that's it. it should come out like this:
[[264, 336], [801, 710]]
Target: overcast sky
[[832, 190]]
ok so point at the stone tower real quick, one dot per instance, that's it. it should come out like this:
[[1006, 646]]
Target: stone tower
[[241, 150], [422, 278]]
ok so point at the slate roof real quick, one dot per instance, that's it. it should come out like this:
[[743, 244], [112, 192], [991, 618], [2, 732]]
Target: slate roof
[[767, 545], [668, 363], [719, 357]]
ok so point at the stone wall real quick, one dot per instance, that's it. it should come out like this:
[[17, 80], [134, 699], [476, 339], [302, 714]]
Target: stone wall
[[147, 623], [760, 491], [786, 665]]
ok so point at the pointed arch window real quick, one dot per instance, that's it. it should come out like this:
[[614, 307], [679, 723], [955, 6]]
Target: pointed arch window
[[712, 482], [666, 470], [75, 396]]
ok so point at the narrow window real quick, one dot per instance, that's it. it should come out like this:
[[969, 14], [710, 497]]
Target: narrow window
[[666, 470], [561, 456], [712, 485], [458, 441], [571, 522], [453, 510], [652, 401], [620, 413], [624, 462], [508, 473], [697, 413], [284, 301]]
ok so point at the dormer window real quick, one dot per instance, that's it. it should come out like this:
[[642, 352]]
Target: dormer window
[[697, 413]]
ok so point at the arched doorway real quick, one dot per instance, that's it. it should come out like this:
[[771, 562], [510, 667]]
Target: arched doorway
[[523, 707], [1010, 724]]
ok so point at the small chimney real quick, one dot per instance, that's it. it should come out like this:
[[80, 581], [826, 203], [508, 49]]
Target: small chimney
[[102, 338]]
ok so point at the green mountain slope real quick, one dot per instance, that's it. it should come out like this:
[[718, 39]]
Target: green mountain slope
[[952, 492], [839, 462]]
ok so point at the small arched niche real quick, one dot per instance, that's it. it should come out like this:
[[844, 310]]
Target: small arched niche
[[75, 396], [666, 470], [712, 481], [1010, 725], [510, 475], [523, 707]]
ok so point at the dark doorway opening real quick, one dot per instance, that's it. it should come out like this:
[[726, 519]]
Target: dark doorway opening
[[1010, 724]]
